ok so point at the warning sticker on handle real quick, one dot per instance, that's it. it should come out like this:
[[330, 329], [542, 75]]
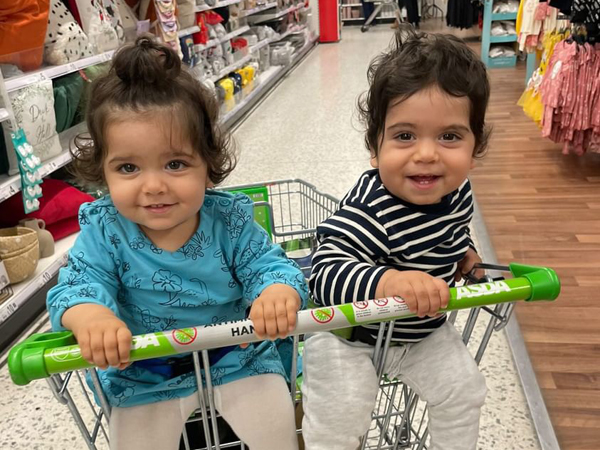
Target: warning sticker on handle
[[380, 309], [323, 315], [185, 336]]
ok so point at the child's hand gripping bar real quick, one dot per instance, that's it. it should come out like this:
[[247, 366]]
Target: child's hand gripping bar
[[42, 355]]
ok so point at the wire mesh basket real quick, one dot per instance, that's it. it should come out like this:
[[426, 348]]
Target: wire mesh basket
[[290, 210]]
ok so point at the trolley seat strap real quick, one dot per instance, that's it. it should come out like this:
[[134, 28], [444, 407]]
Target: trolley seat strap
[[174, 367]]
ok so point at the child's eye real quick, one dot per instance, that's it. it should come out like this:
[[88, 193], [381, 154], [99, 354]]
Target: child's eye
[[127, 168], [405, 137], [176, 165], [450, 137]]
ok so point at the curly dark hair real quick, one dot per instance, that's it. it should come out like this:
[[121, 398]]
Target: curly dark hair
[[416, 61], [145, 77]]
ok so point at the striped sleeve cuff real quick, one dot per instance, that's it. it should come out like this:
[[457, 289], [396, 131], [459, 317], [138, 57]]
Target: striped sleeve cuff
[[345, 282]]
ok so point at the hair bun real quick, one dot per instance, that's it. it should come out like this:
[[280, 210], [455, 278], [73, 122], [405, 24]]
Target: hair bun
[[146, 62]]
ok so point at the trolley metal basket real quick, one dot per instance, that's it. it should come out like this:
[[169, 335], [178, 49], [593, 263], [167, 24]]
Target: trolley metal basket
[[295, 208]]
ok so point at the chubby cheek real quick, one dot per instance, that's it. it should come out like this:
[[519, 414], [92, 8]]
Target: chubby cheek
[[192, 191], [122, 196]]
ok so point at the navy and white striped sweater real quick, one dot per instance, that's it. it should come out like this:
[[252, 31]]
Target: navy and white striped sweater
[[374, 231]]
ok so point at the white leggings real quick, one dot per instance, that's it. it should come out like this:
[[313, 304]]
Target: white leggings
[[259, 409], [340, 387]]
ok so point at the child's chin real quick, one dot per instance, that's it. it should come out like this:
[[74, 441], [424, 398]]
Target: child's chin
[[425, 202]]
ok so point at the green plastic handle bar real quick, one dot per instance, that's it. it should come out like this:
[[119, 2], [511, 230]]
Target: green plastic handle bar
[[42, 355]]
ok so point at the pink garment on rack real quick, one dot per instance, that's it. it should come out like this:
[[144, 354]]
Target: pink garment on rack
[[571, 96], [541, 12]]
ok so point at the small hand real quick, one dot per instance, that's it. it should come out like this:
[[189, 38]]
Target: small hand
[[467, 264], [425, 295], [104, 339], [273, 313]]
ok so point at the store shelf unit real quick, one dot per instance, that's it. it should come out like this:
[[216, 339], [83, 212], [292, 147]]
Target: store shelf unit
[[230, 68], [243, 61], [48, 73], [503, 39], [504, 16], [47, 268], [217, 5], [487, 39], [250, 12], [268, 80], [258, 18], [188, 31], [264, 79], [227, 37], [10, 185], [352, 13]]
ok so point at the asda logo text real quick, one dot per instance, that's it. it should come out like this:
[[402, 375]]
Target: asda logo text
[[477, 290]]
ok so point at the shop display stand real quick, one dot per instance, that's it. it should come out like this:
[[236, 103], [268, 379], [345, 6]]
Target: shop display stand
[[487, 40]]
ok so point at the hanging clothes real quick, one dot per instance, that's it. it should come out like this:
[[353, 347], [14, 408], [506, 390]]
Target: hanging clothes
[[587, 12], [531, 100], [535, 19], [462, 13], [570, 93], [564, 6]]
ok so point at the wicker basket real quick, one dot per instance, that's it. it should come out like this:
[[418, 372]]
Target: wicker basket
[[22, 259], [16, 238]]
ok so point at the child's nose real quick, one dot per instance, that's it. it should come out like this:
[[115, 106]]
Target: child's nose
[[426, 151], [153, 184]]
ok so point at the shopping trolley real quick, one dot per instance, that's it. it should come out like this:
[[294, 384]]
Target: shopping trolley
[[381, 5], [429, 10], [290, 211]]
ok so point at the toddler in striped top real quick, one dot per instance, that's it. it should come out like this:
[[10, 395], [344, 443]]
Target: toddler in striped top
[[403, 230]]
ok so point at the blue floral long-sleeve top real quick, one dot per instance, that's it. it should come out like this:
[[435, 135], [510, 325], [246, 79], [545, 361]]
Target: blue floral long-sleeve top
[[212, 278]]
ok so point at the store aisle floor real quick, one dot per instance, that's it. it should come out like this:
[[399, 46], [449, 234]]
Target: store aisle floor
[[305, 129]]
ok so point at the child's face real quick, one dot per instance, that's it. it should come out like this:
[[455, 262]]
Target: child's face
[[427, 146], [155, 177]]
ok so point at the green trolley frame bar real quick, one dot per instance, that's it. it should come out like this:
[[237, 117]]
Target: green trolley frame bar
[[42, 355]]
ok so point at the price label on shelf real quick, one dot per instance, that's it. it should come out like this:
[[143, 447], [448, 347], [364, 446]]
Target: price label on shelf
[[8, 310], [8, 191], [3, 276], [51, 166], [45, 278], [54, 72]]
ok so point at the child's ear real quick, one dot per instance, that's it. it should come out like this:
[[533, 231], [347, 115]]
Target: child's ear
[[374, 161]]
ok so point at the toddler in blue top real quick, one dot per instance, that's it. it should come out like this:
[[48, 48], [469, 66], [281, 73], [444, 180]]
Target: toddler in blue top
[[164, 251]]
